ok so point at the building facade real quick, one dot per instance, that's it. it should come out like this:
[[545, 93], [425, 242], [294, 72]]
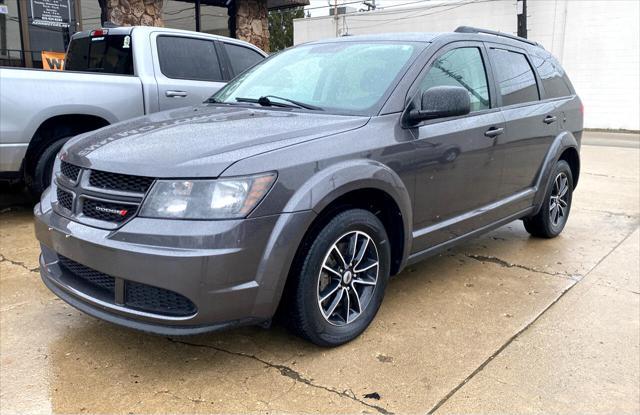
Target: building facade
[[597, 42]]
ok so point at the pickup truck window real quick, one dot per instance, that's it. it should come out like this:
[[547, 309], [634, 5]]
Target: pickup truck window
[[188, 58], [104, 54], [241, 58]]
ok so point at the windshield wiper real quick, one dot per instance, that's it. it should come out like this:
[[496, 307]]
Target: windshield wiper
[[266, 102]]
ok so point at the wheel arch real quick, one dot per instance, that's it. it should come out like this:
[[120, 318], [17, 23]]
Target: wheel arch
[[564, 147], [55, 128]]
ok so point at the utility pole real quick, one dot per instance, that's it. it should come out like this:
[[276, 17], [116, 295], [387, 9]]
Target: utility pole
[[522, 18], [335, 16], [197, 5]]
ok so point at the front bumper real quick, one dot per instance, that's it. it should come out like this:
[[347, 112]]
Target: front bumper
[[233, 271]]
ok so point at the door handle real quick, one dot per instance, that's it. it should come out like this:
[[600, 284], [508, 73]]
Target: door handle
[[550, 119], [173, 94], [493, 132]]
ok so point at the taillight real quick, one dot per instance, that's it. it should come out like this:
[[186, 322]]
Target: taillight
[[99, 32], [581, 108]]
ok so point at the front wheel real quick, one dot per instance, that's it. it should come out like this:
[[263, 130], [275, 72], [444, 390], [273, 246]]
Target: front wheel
[[554, 213], [339, 286]]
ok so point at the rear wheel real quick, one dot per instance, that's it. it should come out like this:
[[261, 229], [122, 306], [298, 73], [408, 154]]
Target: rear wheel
[[340, 282], [554, 213]]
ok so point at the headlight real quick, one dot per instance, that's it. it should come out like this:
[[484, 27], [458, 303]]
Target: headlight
[[206, 199]]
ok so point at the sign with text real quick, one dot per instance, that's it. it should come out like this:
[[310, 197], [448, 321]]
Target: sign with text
[[55, 13], [52, 61]]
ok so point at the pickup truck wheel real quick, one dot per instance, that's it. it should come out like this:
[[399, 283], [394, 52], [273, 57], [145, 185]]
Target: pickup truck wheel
[[42, 173], [342, 279], [554, 213]]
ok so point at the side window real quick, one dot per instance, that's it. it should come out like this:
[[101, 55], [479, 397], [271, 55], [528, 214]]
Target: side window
[[553, 77], [461, 67], [188, 58], [241, 58], [514, 76]]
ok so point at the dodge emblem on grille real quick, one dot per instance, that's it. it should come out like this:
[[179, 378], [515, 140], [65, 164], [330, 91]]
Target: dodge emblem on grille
[[121, 212]]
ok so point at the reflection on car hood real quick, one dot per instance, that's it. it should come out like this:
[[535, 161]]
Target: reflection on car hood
[[198, 141]]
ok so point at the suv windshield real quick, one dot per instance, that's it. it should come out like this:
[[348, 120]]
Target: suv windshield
[[347, 77], [103, 54]]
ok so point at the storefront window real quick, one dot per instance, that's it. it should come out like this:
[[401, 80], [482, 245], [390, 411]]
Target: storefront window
[[10, 40]]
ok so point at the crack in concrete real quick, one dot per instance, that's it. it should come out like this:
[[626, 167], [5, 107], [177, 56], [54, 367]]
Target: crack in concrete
[[18, 264], [287, 372], [610, 213], [522, 330], [505, 264]]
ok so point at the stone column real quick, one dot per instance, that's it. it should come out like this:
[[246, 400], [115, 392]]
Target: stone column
[[135, 12], [252, 24]]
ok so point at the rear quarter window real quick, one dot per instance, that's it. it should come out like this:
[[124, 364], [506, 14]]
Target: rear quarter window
[[554, 79], [188, 58], [514, 76]]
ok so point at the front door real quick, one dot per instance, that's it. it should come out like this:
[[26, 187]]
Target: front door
[[458, 170], [188, 70]]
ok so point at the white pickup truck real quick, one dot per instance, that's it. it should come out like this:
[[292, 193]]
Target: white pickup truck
[[110, 75]]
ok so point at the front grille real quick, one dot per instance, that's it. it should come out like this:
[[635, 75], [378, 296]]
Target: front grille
[[95, 278], [121, 182], [107, 211], [157, 300], [65, 199], [137, 296], [70, 171]]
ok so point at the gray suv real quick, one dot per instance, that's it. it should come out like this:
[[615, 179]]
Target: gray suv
[[309, 180]]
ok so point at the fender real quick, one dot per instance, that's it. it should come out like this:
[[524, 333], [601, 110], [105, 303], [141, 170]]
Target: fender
[[341, 178], [67, 110], [562, 142], [304, 206]]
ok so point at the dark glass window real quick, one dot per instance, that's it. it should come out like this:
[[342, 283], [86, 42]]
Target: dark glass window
[[516, 81], [242, 58], [188, 58], [461, 67], [103, 54], [553, 77]]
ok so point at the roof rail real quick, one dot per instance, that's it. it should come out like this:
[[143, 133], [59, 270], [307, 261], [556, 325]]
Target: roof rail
[[469, 29]]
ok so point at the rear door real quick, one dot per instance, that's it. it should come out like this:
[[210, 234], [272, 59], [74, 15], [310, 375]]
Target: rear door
[[187, 69], [458, 170], [532, 123]]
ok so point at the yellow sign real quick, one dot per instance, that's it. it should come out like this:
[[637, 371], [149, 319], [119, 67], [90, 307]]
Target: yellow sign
[[53, 61]]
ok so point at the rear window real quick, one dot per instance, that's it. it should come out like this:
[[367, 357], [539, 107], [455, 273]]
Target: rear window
[[515, 78], [554, 79], [242, 58], [102, 54], [188, 58]]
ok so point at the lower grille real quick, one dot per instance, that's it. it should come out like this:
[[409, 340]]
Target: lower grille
[[107, 211], [137, 296], [157, 300], [95, 278], [64, 198]]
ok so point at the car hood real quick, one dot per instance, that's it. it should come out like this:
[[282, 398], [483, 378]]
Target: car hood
[[198, 141]]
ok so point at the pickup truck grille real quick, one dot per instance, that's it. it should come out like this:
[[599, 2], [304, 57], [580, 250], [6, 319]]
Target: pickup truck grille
[[134, 295], [99, 198]]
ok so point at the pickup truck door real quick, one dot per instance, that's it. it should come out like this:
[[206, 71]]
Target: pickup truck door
[[187, 69]]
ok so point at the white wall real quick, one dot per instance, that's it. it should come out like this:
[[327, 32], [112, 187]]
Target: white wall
[[597, 41]]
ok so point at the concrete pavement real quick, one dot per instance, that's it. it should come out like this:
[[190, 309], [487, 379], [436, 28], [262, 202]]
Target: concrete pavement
[[505, 323]]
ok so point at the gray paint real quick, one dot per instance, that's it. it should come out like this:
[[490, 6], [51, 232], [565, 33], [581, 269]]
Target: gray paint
[[235, 271]]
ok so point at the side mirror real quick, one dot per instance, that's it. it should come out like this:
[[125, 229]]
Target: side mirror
[[440, 102]]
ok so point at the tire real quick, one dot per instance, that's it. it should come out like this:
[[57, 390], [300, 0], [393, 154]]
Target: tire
[[320, 271], [40, 178], [554, 213]]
